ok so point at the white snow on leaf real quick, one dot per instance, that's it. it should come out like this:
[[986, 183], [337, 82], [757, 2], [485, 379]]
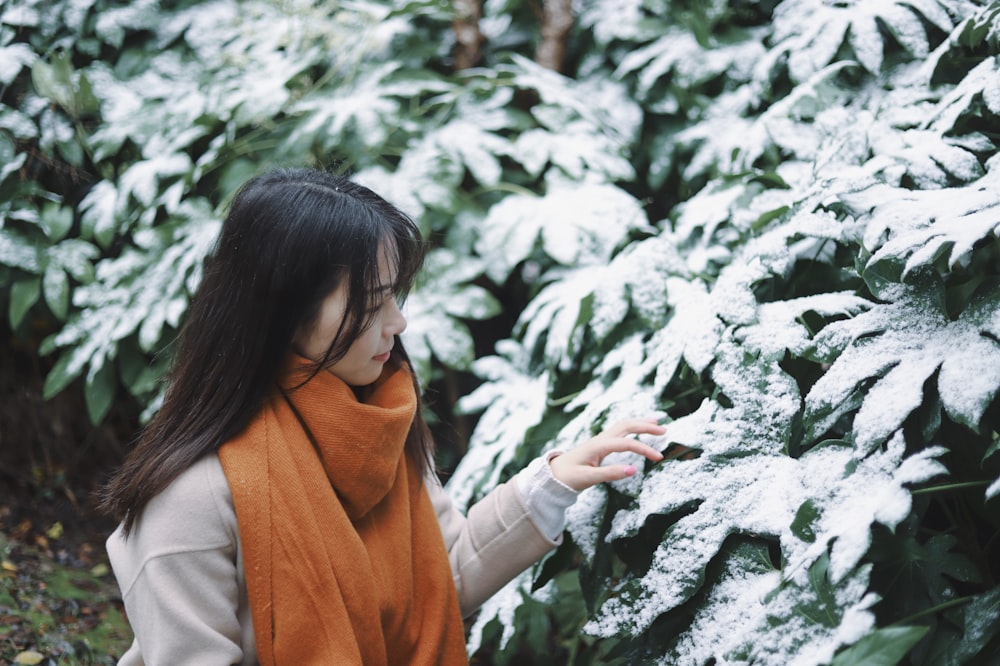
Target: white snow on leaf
[[678, 60], [437, 309], [893, 349], [361, 110], [932, 160], [597, 299], [979, 83], [604, 104], [780, 327], [617, 19], [583, 519], [575, 224], [467, 144], [139, 291], [921, 225], [872, 491], [13, 58], [811, 32], [501, 608], [143, 178], [576, 149], [732, 612], [514, 401], [816, 621], [757, 493]]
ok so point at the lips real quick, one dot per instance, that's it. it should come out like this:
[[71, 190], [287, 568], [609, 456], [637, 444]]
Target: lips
[[382, 358]]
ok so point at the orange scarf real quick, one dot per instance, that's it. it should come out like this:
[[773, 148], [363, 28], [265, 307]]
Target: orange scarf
[[344, 558]]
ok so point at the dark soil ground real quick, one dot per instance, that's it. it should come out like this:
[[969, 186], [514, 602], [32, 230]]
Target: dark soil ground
[[59, 603]]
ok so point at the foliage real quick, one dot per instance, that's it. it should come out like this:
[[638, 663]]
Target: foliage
[[774, 225]]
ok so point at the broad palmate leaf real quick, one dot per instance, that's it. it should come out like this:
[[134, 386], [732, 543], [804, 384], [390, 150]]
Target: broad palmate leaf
[[812, 32], [907, 229], [904, 353], [800, 614]]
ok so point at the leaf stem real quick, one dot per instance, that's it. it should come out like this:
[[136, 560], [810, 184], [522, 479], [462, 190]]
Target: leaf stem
[[950, 486], [933, 609]]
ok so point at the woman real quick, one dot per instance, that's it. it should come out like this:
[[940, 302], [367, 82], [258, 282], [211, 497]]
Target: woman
[[282, 507]]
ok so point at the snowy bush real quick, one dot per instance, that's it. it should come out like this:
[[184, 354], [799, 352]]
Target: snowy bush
[[774, 225]]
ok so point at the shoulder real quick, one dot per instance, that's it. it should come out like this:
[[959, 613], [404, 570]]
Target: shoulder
[[193, 514]]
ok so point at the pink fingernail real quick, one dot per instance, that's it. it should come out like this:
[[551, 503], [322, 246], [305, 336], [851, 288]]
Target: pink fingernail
[[630, 470]]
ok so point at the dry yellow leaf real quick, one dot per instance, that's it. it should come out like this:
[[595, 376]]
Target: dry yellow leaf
[[7, 565], [29, 657], [55, 531]]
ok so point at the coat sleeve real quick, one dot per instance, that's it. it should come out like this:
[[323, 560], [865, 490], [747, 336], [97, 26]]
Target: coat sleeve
[[178, 574], [496, 541]]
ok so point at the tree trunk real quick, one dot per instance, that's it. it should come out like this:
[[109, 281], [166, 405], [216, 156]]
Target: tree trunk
[[557, 20], [468, 39]]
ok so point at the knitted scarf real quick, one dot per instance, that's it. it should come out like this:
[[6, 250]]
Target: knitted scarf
[[344, 558]]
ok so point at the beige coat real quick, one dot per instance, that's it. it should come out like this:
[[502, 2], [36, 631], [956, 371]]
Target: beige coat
[[182, 579]]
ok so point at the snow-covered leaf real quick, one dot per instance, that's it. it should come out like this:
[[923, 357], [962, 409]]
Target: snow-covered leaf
[[574, 224], [137, 293], [883, 358], [923, 226], [514, 401], [812, 32], [744, 492], [438, 309]]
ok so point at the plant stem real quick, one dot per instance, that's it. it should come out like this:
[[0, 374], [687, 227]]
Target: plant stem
[[934, 609], [950, 486]]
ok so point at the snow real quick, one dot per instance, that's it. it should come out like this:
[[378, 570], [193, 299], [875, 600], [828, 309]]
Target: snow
[[758, 496], [896, 347], [578, 224], [583, 519], [514, 401], [732, 612], [13, 58]]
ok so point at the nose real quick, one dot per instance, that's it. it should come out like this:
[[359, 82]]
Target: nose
[[395, 322]]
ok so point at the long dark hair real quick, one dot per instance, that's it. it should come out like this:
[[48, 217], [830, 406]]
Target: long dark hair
[[291, 237]]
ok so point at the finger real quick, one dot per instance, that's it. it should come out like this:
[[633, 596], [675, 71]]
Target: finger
[[621, 444], [635, 427], [614, 473]]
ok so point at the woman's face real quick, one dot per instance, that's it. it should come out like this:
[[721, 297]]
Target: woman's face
[[362, 364]]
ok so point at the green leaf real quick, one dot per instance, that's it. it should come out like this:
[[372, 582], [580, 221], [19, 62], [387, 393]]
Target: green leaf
[[53, 81], [980, 627], [23, 295], [883, 647], [17, 251], [805, 517], [67, 368], [55, 285], [99, 392], [56, 221], [894, 348]]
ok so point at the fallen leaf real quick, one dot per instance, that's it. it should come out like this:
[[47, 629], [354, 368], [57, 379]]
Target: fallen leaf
[[29, 657], [54, 532], [7, 565]]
